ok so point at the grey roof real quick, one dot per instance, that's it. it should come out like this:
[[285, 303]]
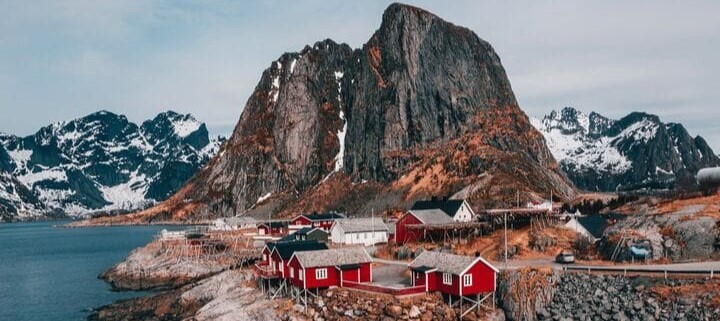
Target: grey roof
[[333, 257], [432, 216], [243, 220], [451, 207], [446, 262], [361, 225]]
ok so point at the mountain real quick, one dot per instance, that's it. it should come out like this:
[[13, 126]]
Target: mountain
[[423, 108], [100, 162], [635, 152]]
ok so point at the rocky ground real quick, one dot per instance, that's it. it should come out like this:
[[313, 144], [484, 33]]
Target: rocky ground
[[679, 231], [598, 297], [230, 295], [342, 304], [176, 263]]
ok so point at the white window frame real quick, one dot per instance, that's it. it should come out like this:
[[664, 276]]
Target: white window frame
[[265, 257], [282, 267], [467, 280], [321, 274], [292, 272], [447, 278], [301, 274]]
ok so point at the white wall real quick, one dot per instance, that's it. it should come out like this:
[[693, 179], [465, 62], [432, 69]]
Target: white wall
[[464, 214]]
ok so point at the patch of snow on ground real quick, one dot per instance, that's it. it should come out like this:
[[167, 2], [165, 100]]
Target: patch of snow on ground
[[292, 65], [20, 156], [128, 195], [644, 131], [275, 89], [263, 198], [185, 127], [55, 174], [341, 133]]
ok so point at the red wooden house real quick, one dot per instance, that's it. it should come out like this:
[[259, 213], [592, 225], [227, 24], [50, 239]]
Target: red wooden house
[[405, 234], [273, 228], [326, 268], [453, 274], [316, 220], [276, 255], [281, 254]]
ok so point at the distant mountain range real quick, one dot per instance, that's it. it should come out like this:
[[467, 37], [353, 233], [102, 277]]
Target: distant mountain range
[[100, 162], [635, 152]]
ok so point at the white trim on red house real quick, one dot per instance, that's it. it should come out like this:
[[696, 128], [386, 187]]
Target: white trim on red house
[[480, 259]]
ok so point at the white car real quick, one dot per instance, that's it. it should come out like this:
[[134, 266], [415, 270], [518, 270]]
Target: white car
[[565, 257]]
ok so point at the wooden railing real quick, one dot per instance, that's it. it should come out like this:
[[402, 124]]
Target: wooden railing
[[265, 271], [383, 289]]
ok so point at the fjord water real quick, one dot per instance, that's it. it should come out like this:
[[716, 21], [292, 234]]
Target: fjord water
[[50, 273]]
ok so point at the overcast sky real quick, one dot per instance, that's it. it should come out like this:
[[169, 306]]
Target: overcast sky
[[64, 59]]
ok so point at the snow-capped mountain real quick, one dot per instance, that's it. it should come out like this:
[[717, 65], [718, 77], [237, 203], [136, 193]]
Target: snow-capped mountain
[[100, 162], [636, 152]]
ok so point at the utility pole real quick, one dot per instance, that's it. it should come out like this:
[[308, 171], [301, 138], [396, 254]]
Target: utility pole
[[372, 222], [506, 248]]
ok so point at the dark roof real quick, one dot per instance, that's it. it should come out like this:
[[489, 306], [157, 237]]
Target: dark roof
[[448, 206], [286, 249], [308, 230], [324, 216], [287, 238], [597, 224], [348, 266], [422, 268]]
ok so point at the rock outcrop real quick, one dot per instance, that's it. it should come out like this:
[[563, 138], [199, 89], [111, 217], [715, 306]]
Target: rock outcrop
[[636, 152], [226, 296], [423, 108]]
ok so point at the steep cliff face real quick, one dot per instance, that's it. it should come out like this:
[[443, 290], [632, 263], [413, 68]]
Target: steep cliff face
[[423, 108], [637, 151]]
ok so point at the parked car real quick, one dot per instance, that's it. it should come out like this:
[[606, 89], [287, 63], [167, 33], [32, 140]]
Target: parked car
[[565, 257]]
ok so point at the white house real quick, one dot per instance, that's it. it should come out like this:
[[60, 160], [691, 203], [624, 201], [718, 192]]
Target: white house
[[366, 231], [458, 210]]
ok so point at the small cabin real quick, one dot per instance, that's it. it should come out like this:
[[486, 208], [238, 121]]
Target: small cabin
[[272, 228], [330, 268], [365, 231], [453, 274], [316, 220]]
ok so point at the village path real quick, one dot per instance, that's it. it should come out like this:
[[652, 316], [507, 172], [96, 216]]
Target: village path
[[694, 266]]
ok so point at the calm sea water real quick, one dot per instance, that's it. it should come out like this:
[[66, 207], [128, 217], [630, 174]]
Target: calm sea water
[[49, 273]]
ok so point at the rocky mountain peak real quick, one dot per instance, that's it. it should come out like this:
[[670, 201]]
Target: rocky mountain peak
[[329, 123]]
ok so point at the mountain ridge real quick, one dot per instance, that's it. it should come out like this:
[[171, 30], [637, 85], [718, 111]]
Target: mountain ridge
[[637, 151], [100, 162]]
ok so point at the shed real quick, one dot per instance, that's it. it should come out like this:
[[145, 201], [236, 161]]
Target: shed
[[272, 228], [404, 234]]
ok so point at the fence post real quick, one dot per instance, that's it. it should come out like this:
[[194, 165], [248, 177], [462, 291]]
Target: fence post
[[665, 274], [712, 273]]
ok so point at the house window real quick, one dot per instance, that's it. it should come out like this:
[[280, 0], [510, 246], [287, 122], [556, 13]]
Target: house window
[[301, 274], [292, 272], [467, 280], [282, 267], [321, 274], [264, 257], [447, 278]]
